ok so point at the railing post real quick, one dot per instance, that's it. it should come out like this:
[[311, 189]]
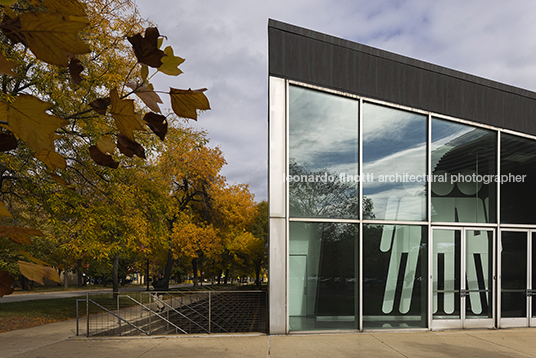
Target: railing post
[[209, 312], [87, 314], [118, 315], [77, 317], [150, 312]]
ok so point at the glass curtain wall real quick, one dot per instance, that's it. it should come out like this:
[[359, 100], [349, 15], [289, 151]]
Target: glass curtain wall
[[324, 211]]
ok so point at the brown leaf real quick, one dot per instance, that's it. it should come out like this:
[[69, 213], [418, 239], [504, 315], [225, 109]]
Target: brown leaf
[[27, 118], [7, 142], [122, 110], [52, 159], [147, 95], [185, 103], [101, 158], [37, 273], [6, 280], [60, 180], [18, 234], [69, 7], [106, 145], [146, 48], [51, 36], [4, 211], [129, 147], [6, 66], [75, 69], [157, 123], [101, 105], [31, 258], [11, 28]]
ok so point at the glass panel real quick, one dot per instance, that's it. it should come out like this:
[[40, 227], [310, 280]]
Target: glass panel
[[513, 274], [322, 276], [518, 179], [394, 164], [478, 273], [464, 161], [323, 161], [394, 276], [446, 256]]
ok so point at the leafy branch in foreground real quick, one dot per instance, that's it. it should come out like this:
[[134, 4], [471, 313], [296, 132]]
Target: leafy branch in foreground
[[66, 78]]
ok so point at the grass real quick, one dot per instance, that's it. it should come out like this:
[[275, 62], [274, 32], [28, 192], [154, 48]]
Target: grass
[[39, 288], [26, 314]]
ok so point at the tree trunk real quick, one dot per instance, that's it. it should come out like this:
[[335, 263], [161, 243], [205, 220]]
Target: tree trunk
[[226, 277], [79, 273], [115, 278], [194, 267], [24, 283], [147, 275], [65, 279], [258, 274], [169, 266]]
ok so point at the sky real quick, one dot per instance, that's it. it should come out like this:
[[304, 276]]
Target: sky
[[225, 44]]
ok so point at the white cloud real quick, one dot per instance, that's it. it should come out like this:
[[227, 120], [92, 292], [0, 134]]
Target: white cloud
[[225, 46]]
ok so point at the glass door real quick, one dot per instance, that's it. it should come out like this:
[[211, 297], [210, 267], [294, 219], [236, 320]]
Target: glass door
[[517, 274], [462, 277]]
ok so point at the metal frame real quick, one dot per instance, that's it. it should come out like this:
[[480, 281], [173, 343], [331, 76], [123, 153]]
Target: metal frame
[[463, 322], [529, 320], [279, 204]]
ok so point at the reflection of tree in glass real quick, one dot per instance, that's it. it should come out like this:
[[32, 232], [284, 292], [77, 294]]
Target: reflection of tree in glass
[[320, 193]]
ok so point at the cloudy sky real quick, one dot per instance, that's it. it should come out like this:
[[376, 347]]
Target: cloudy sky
[[226, 50]]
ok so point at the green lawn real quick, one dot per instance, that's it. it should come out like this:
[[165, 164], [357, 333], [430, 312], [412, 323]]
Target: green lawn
[[18, 315]]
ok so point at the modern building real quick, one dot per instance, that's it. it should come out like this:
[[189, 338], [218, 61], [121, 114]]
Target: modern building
[[401, 193]]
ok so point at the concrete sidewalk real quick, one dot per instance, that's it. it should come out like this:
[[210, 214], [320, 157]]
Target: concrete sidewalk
[[58, 340]]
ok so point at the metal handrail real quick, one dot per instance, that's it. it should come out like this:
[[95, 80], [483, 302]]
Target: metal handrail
[[150, 310], [110, 312], [200, 314]]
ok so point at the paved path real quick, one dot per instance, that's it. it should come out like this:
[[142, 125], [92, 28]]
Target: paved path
[[58, 340]]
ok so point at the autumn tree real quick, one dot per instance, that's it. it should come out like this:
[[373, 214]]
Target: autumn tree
[[68, 69]]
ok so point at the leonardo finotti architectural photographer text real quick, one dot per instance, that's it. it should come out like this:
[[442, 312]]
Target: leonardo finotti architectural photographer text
[[408, 178]]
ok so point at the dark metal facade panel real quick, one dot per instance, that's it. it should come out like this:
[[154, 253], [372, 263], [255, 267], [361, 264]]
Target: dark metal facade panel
[[325, 61]]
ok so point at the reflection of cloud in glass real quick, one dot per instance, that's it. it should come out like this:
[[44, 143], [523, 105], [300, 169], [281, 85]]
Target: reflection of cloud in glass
[[407, 207], [394, 142], [323, 129]]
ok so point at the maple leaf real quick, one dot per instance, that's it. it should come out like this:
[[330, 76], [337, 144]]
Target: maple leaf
[[8, 3], [52, 159], [106, 145], [100, 105], [147, 95], [27, 118], [60, 180], [4, 211], [6, 66], [7, 141], [69, 7], [101, 158], [51, 36], [20, 235], [122, 111], [75, 69], [6, 280], [37, 273], [157, 123], [11, 27], [146, 48], [129, 147], [185, 103], [170, 63]]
